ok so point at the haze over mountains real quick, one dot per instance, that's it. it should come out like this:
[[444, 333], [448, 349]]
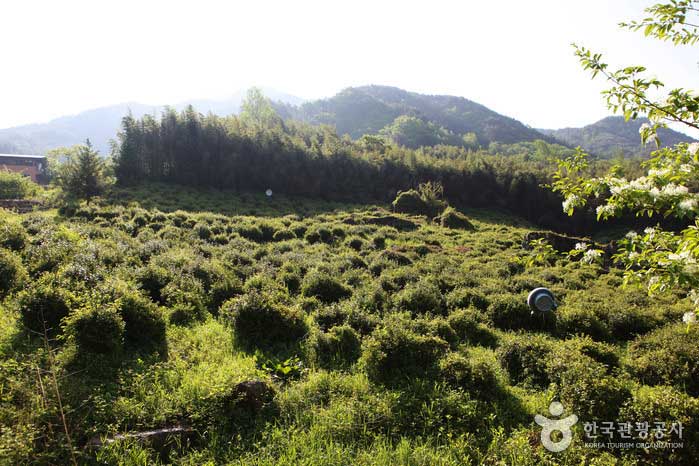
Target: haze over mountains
[[408, 118]]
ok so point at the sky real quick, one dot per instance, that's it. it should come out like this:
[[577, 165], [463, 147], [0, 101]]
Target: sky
[[513, 56]]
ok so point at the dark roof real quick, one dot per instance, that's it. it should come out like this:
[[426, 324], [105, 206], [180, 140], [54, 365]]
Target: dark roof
[[22, 156]]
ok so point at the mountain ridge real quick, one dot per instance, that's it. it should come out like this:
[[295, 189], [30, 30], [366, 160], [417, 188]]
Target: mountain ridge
[[612, 136]]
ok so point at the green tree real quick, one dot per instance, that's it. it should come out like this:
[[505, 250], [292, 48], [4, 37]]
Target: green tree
[[664, 261], [82, 174], [257, 109]]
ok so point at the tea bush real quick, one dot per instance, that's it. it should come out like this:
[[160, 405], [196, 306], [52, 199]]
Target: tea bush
[[324, 287], [144, 322], [667, 356], [586, 387], [420, 298], [473, 372], [259, 322], [44, 305], [12, 234], [526, 359], [452, 218], [394, 353], [12, 272], [668, 406], [471, 327], [338, 347], [96, 330]]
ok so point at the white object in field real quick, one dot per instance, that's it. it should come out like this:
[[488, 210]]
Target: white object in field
[[689, 317], [268, 192], [542, 300]]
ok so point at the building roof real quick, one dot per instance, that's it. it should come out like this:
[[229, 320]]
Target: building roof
[[23, 156]]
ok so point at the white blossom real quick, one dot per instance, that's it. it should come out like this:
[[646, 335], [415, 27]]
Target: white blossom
[[693, 148], [688, 205], [693, 296], [689, 317], [631, 235], [672, 189], [580, 246], [644, 127], [659, 172], [686, 167], [570, 202], [607, 209], [591, 255]]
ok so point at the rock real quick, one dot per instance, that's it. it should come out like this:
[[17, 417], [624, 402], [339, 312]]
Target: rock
[[253, 394], [161, 440]]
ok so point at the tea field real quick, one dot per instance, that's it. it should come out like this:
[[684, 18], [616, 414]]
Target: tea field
[[273, 330]]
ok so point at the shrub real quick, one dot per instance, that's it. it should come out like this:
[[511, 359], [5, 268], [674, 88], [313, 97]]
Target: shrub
[[96, 330], [153, 279], [466, 297], [667, 356], [185, 313], [203, 231], [12, 272], [324, 287], [251, 232], [413, 202], [395, 353], [12, 235], [420, 298], [586, 387], [575, 320], [511, 312], [452, 218], [283, 235], [472, 372], [259, 322], [144, 323], [355, 243], [292, 281], [44, 301], [600, 352], [664, 404], [395, 256], [525, 358], [470, 327], [16, 186], [340, 346]]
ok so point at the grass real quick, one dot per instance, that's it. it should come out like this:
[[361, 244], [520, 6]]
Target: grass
[[412, 293]]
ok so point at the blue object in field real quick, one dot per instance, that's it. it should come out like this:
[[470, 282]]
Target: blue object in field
[[542, 300]]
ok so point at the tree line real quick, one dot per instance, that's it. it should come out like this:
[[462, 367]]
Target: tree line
[[258, 150]]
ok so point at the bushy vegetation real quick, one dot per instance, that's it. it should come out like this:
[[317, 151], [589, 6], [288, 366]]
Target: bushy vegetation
[[365, 332], [16, 186]]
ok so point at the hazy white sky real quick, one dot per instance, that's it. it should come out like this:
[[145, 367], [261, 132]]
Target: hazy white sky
[[62, 57]]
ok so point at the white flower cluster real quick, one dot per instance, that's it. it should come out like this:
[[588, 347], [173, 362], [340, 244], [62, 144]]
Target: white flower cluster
[[685, 259], [580, 246], [693, 148], [659, 172], [591, 256], [570, 202], [606, 210], [689, 317], [688, 205], [671, 189], [644, 127]]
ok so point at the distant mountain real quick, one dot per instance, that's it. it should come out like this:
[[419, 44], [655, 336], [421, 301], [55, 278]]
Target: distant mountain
[[370, 109], [102, 124], [614, 136]]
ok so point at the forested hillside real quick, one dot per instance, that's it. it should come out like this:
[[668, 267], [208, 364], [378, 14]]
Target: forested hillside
[[375, 109], [614, 136], [101, 125]]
